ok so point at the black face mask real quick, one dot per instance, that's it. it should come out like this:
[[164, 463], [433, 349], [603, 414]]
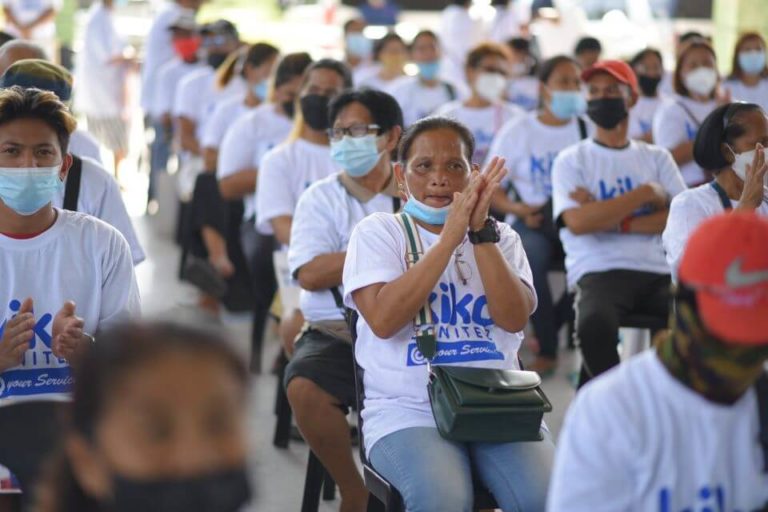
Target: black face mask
[[216, 59], [289, 107], [222, 491], [648, 84], [314, 108], [607, 112]]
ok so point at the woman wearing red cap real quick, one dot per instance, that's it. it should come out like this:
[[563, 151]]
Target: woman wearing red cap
[[679, 427]]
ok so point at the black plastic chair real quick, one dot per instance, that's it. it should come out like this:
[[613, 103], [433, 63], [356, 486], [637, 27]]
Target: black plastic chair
[[384, 497]]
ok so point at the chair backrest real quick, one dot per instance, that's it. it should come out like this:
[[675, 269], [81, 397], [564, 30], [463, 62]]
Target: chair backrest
[[352, 317]]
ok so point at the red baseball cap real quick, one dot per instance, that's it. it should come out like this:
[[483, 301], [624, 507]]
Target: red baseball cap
[[726, 263], [619, 70]]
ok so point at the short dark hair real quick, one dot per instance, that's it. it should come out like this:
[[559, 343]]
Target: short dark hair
[[639, 56], [483, 50], [736, 71], [689, 36], [550, 65], [721, 125], [350, 22], [379, 44], [29, 103], [334, 65], [429, 124], [423, 33], [587, 44], [677, 81], [291, 66], [384, 109], [260, 53]]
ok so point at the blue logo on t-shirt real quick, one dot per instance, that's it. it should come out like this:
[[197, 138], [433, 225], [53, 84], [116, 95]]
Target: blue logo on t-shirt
[[462, 326], [708, 499], [483, 141], [40, 371], [610, 191], [645, 126], [690, 130], [541, 172]]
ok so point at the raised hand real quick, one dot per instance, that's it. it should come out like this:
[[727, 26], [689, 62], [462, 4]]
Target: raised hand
[[489, 182], [67, 332], [457, 222], [753, 193], [17, 336]]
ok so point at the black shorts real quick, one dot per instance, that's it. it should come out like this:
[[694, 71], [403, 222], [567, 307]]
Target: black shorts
[[328, 362]]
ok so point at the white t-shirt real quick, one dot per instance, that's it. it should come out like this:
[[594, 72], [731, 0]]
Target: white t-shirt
[[742, 92], [530, 147], [27, 11], [79, 258], [524, 92], [484, 123], [636, 438], [100, 83], [459, 32], [285, 173], [608, 173], [323, 221], [197, 96], [373, 81], [169, 75], [688, 210], [641, 116], [226, 112], [419, 101], [158, 50], [82, 144], [248, 140], [673, 125], [100, 197], [395, 372]]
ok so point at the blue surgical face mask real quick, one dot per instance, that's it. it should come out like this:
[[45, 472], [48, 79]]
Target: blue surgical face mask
[[752, 62], [424, 212], [26, 190], [260, 90], [358, 45], [567, 104], [428, 70], [356, 155]]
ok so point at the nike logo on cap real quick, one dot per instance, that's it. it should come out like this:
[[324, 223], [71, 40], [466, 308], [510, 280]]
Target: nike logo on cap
[[734, 276]]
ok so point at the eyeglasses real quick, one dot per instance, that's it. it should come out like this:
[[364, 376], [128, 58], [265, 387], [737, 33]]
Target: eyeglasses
[[354, 131]]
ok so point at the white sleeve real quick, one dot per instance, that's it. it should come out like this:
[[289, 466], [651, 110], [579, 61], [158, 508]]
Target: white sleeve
[[187, 100], [162, 100], [670, 176], [273, 191], [512, 248], [119, 291], [112, 211], [238, 148], [504, 146], [566, 177], [216, 126], [593, 461], [313, 231], [374, 255], [684, 216], [669, 126]]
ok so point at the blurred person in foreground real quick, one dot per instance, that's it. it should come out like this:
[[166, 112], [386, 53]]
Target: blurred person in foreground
[[158, 424], [676, 428]]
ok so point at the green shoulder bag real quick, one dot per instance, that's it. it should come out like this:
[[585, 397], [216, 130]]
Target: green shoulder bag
[[475, 404]]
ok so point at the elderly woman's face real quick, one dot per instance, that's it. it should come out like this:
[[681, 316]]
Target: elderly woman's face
[[436, 167]]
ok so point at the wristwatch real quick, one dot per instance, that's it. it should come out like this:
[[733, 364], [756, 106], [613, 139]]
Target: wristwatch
[[489, 233]]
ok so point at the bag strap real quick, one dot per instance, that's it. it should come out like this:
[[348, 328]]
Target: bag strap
[[72, 188], [582, 128], [450, 90], [396, 204], [724, 200], [761, 386], [689, 113], [425, 330]]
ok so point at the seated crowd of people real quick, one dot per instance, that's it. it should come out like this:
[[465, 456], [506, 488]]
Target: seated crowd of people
[[367, 210]]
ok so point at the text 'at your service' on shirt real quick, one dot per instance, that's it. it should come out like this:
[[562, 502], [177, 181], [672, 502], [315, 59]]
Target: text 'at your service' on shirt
[[607, 173], [81, 259], [395, 372]]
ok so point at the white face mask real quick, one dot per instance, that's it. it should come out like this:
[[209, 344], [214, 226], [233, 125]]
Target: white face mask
[[701, 81], [490, 86], [740, 163]]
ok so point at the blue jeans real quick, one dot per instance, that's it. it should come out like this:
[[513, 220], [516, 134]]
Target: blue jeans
[[435, 475], [159, 153], [540, 253]]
